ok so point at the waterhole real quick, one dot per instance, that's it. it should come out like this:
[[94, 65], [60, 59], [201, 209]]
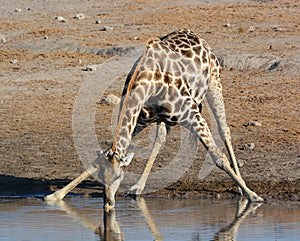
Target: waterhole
[[78, 218]]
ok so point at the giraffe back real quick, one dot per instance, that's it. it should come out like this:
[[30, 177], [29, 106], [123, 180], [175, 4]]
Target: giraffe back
[[176, 65]]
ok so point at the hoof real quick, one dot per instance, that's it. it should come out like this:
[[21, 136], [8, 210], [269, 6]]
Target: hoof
[[52, 197], [134, 191], [255, 198]]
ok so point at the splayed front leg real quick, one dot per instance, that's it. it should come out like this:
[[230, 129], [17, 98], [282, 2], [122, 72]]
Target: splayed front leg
[[60, 194], [138, 188], [160, 138]]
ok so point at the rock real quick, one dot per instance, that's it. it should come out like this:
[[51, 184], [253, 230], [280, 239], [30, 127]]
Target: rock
[[18, 10], [111, 100], [251, 29], [98, 21], [248, 146], [108, 28], [240, 163], [277, 29], [13, 61], [2, 40], [226, 25], [60, 19], [254, 123], [79, 16], [274, 65], [90, 68]]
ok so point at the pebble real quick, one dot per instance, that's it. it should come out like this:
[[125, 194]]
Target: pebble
[[106, 28], [226, 25], [90, 68], [18, 10], [251, 29], [277, 29], [79, 16], [274, 65], [109, 28], [248, 146], [98, 21], [3, 40], [240, 163], [254, 123], [61, 19], [13, 61], [111, 100]]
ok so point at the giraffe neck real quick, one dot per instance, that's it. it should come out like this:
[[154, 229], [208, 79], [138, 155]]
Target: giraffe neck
[[122, 141], [130, 106]]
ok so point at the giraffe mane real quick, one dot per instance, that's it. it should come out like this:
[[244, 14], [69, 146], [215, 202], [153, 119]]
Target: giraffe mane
[[152, 41]]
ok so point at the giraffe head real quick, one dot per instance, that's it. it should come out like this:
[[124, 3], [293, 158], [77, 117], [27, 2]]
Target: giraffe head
[[111, 174]]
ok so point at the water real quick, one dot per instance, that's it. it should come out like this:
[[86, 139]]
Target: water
[[147, 219]]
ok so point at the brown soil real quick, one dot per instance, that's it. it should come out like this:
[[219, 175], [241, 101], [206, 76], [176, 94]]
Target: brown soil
[[39, 89]]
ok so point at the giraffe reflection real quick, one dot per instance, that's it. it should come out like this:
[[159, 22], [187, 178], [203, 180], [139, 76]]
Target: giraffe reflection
[[244, 208], [111, 229]]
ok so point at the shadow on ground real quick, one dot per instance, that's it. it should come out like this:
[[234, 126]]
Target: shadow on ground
[[11, 186]]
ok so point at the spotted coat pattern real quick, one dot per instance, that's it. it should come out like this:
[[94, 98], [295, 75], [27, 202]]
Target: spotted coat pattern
[[167, 84]]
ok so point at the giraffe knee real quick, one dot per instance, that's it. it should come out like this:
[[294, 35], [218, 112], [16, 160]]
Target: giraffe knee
[[222, 163], [225, 134]]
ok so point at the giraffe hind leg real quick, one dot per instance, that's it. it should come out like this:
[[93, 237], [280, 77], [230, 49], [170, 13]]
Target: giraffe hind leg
[[199, 128], [215, 101]]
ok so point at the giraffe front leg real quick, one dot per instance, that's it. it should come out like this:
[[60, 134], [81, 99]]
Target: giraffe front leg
[[61, 193], [160, 138], [138, 188]]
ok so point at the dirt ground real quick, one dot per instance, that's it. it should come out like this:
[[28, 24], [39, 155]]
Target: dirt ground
[[41, 72]]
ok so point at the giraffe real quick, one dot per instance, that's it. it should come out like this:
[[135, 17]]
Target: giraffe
[[166, 86]]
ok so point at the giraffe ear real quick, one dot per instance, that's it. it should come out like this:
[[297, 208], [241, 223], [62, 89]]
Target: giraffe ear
[[125, 161]]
